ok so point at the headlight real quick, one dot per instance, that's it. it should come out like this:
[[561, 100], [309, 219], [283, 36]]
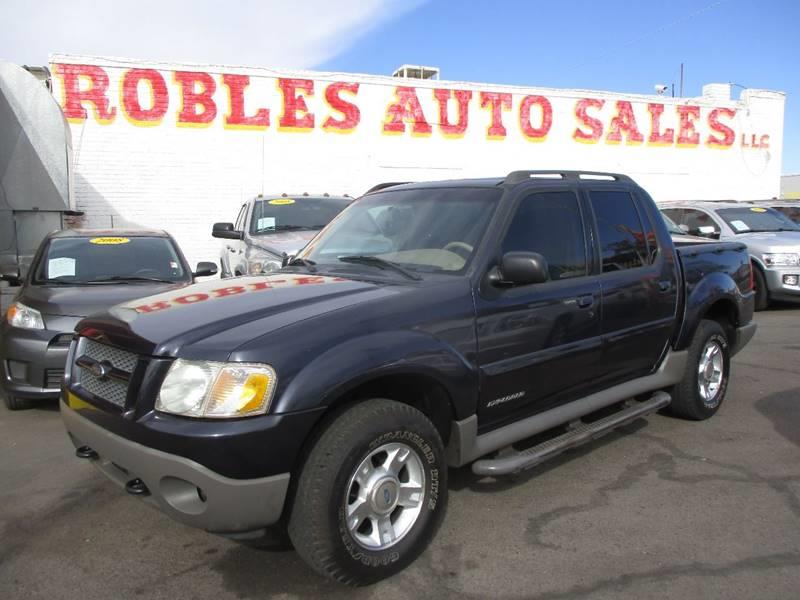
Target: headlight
[[781, 260], [260, 261], [24, 317], [194, 388]]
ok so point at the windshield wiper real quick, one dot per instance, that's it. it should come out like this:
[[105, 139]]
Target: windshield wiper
[[131, 278], [381, 263], [303, 262]]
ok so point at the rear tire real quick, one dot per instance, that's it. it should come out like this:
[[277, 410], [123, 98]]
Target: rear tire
[[701, 392], [762, 293], [372, 493]]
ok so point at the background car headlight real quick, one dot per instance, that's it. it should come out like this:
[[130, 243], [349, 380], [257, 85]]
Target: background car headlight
[[195, 388], [781, 259], [25, 317], [261, 261]]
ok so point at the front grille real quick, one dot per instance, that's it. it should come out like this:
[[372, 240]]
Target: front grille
[[113, 386], [52, 378]]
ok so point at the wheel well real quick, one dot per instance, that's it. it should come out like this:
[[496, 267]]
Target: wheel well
[[724, 312]]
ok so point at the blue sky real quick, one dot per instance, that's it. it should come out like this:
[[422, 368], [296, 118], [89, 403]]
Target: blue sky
[[617, 45]]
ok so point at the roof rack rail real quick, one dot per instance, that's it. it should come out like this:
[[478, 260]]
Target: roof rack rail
[[383, 186], [519, 176]]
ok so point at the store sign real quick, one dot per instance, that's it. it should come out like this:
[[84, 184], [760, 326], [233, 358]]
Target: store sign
[[148, 97]]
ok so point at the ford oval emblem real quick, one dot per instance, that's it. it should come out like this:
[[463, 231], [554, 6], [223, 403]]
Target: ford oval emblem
[[100, 370]]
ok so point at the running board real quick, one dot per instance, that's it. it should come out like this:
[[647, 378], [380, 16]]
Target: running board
[[585, 432]]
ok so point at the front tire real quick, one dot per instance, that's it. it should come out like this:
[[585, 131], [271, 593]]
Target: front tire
[[372, 493], [13, 403], [701, 391], [762, 293]]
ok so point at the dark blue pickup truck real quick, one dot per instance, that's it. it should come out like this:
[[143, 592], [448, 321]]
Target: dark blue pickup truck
[[428, 325]]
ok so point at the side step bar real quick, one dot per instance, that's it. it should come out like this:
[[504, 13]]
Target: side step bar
[[586, 432]]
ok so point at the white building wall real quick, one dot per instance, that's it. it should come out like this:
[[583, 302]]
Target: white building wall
[[183, 179]]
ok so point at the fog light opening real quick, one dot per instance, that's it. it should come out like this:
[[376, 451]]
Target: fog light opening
[[790, 279]]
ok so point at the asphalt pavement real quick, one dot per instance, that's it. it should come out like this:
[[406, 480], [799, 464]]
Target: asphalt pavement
[[663, 508]]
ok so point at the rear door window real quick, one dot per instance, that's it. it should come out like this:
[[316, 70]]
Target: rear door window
[[622, 237]]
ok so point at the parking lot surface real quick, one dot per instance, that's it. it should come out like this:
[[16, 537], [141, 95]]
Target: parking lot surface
[[663, 508]]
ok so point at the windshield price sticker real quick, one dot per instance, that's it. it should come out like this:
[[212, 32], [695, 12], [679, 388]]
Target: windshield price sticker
[[109, 241], [60, 267], [281, 201], [757, 209], [266, 223], [740, 225]]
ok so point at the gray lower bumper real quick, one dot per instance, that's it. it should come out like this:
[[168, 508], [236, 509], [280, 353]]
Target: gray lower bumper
[[743, 335], [225, 506]]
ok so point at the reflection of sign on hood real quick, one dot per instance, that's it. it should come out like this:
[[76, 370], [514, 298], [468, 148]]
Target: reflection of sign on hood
[[202, 293]]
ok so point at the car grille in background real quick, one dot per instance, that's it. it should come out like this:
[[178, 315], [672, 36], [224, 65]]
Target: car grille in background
[[113, 389], [52, 378], [61, 341]]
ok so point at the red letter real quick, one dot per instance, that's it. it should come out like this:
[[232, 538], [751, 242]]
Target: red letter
[[498, 101], [351, 115], [309, 279], [624, 121], [537, 134], [228, 291], [236, 119], [191, 298], [687, 115], [407, 108], [294, 103], [191, 99], [463, 98], [728, 136], [656, 137], [95, 93], [595, 125], [148, 308], [764, 141], [130, 97]]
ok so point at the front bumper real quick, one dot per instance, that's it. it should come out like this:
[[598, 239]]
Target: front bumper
[[32, 361], [185, 490], [778, 290]]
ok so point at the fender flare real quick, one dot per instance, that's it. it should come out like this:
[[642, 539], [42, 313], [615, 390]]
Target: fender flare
[[713, 288], [356, 361]]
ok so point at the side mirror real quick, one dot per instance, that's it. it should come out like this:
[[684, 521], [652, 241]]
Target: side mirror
[[520, 268], [707, 231], [225, 231], [205, 269], [12, 277]]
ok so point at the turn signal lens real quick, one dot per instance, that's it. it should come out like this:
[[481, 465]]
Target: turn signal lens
[[24, 317], [240, 391]]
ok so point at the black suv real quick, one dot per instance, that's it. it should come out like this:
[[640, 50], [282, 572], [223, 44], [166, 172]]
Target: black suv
[[430, 325], [270, 228]]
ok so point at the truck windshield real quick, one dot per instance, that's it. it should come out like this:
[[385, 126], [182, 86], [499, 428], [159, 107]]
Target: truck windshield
[[106, 259], [756, 218], [671, 226], [425, 230], [300, 212]]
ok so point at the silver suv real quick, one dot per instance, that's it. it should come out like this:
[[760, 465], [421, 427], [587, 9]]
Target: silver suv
[[269, 228], [772, 239]]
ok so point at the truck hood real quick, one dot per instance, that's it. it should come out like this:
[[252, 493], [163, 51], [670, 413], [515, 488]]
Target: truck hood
[[778, 241], [84, 300], [209, 320], [287, 242]]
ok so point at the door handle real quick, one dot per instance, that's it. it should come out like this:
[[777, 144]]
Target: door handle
[[585, 301], [665, 285]]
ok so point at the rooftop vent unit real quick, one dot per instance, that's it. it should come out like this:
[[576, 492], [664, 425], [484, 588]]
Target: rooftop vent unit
[[416, 72]]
